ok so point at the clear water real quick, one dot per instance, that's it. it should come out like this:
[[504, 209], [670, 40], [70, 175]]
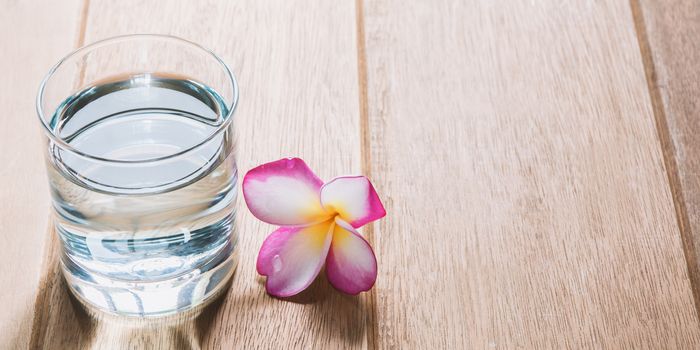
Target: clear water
[[146, 233]]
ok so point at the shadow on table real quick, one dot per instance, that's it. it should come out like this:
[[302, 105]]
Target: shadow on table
[[318, 316], [62, 322]]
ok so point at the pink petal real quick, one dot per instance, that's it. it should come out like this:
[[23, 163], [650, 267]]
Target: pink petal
[[353, 198], [284, 193], [351, 266], [291, 257]]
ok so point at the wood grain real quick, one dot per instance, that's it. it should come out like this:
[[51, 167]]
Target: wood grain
[[515, 145], [529, 173], [668, 34], [296, 66], [34, 35]]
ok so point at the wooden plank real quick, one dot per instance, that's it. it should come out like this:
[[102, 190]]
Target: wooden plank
[[34, 35], [668, 35], [527, 196], [296, 66]]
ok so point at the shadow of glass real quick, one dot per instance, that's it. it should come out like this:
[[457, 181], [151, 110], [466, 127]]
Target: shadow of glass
[[233, 319], [62, 321]]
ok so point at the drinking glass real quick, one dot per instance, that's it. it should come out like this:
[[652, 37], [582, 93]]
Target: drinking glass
[[140, 155]]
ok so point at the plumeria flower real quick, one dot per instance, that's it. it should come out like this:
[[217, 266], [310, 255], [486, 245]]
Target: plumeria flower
[[318, 223]]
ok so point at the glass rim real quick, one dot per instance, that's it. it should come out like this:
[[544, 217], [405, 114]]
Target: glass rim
[[228, 118]]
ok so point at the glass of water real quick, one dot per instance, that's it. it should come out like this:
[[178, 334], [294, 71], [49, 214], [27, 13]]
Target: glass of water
[[140, 152]]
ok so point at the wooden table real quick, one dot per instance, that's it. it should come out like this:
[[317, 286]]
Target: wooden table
[[539, 161]]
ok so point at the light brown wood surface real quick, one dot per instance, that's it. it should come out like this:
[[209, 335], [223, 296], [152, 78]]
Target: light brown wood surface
[[530, 177], [529, 206], [33, 36], [668, 36]]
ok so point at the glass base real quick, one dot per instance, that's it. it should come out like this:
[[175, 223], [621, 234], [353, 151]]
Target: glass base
[[150, 298]]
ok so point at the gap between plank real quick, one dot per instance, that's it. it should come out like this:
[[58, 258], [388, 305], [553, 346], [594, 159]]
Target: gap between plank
[[365, 152], [668, 152], [81, 38], [83, 24]]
